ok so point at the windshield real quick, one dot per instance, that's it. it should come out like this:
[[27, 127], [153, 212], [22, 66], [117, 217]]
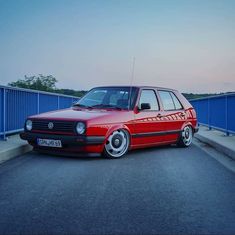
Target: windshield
[[109, 97]]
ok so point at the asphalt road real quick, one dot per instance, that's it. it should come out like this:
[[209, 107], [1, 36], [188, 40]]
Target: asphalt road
[[162, 190]]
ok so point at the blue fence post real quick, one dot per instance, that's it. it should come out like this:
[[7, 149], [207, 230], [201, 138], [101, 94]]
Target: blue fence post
[[226, 115], [208, 110], [58, 102], [38, 103], [4, 114]]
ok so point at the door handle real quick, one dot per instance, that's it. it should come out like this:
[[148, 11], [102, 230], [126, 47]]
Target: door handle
[[159, 115], [182, 114]]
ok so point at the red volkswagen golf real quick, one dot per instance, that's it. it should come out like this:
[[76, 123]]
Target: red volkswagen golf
[[113, 120]]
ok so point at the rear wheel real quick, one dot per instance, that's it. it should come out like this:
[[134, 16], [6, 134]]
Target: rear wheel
[[117, 144], [186, 137]]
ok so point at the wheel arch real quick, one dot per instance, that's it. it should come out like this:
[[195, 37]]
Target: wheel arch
[[187, 123], [117, 127]]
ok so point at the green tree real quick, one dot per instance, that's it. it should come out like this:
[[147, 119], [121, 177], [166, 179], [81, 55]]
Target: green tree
[[44, 83], [40, 82]]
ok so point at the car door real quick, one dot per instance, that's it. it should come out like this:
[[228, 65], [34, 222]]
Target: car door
[[174, 114], [148, 123]]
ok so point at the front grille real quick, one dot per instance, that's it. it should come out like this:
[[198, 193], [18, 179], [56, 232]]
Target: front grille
[[58, 126]]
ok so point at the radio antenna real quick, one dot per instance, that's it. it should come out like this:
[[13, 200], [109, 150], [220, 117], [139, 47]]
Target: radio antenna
[[131, 82]]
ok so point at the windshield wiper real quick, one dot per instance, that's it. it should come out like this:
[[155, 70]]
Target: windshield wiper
[[106, 106], [83, 106]]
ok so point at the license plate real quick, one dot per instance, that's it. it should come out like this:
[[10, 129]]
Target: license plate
[[49, 143]]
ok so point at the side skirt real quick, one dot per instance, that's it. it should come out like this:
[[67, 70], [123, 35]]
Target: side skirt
[[152, 134]]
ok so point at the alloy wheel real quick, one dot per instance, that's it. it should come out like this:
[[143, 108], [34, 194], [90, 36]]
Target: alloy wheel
[[117, 144]]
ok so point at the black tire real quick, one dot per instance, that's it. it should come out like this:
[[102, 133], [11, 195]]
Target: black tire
[[186, 137], [117, 144]]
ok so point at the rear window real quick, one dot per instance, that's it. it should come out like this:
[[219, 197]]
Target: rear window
[[170, 101]]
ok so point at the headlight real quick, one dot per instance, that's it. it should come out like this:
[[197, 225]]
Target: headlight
[[28, 125], [80, 128]]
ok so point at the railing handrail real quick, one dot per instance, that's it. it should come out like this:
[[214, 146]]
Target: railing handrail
[[216, 112], [214, 96], [12, 118], [37, 91]]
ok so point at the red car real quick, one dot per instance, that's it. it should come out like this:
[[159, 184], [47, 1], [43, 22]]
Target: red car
[[112, 120]]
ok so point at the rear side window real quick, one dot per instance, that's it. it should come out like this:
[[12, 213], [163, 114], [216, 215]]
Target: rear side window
[[178, 105], [169, 100], [149, 96]]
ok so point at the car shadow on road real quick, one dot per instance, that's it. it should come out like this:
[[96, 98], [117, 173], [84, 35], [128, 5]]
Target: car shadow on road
[[131, 154]]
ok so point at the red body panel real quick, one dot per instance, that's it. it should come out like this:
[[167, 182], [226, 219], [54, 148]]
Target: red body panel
[[146, 128]]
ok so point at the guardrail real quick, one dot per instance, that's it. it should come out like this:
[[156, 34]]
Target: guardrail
[[217, 112], [16, 104]]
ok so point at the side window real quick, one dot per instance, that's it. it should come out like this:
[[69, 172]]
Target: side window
[[167, 100], [149, 96], [178, 105]]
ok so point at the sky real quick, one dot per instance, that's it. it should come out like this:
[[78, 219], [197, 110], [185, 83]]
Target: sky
[[187, 45]]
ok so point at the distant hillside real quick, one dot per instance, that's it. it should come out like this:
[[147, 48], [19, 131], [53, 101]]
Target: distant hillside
[[80, 93], [190, 96], [71, 92], [48, 83]]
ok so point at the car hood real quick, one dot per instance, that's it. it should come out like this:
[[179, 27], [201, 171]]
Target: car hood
[[75, 114]]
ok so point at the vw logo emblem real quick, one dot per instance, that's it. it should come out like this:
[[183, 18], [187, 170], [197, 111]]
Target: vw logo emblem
[[50, 125]]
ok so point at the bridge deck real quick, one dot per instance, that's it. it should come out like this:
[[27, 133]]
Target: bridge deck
[[164, 190]]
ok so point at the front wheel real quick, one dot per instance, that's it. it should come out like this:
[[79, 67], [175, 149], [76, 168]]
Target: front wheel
[[186, 137], [117, 144]]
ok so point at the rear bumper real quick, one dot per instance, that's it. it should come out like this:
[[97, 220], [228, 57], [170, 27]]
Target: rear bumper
[[196, 128], [70, 144]]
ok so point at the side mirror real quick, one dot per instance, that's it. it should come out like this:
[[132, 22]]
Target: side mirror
[[144, 106]]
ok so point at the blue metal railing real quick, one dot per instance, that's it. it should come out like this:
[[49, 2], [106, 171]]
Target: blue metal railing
[[16, 104], [217, 112]]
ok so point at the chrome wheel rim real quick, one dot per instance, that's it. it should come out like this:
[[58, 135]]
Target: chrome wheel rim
[[187, 135], [117, 143]]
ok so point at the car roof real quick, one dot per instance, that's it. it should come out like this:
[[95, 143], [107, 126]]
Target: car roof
[[140, 87]]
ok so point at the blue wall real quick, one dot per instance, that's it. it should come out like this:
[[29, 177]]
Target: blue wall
[[17, 104], [216, 112]]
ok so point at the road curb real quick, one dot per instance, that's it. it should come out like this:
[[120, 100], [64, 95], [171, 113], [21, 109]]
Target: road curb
[[12, 152], [218, 146]]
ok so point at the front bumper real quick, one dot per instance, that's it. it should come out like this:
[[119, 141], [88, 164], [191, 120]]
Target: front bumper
[[72, 144], [66, 140]]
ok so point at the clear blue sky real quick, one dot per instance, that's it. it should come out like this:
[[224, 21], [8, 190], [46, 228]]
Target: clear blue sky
[[187, 45]]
